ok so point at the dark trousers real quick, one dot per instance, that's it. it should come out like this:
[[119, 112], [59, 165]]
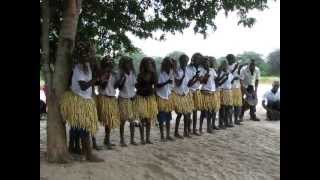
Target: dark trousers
[[273, 110], [245, 107]]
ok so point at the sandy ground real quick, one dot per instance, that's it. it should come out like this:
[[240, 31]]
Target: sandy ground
[[247, 152]]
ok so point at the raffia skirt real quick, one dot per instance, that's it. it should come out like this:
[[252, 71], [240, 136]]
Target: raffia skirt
[[127, 110], [165, 105], [226, 97], [197, 100], [218, 100], [108, 111], [237, 97], [146, 107], [182, 104], [209, 101], [79, 112]]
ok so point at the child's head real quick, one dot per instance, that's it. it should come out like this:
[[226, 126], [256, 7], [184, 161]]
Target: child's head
[[250, 89], [166, 65], [174, 64], [205, 62], [196, 59], [147, 64], [126, 64], [252, 65], [82, 52], [107, 64], [183, 60], [212, 62], [231, 59]]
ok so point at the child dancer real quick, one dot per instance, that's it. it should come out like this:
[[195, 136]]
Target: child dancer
[[196, 72], [127, 93], [208, 95], [164, 89], [77, 106], [182, 97], [145, 102], [108, 110]]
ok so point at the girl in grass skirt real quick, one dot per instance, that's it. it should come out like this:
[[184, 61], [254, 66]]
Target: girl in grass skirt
[[126, 95], [182, 97], [145, 102], [107, 103], [77, 106], [164, 99], [208, 91], [196, 73], [226, 94]]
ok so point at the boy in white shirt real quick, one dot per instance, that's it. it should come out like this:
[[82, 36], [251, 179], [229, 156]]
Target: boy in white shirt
[[163, 91]]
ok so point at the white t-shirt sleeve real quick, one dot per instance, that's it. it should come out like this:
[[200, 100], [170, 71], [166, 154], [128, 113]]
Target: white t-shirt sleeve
[[242, 74]]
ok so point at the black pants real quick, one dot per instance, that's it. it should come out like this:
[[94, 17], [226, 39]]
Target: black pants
[[43, 107], [245, 107], [273, 110]]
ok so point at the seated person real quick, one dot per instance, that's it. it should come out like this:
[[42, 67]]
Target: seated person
[[273, 102]]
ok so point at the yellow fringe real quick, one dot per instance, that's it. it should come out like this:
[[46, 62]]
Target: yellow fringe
[[197, 100], [226, 98], [209, 101], [182, 104], [127, 112], [165, 105], [218, 100], [79, 112], [146, 107], [108, 111], [237, 97]]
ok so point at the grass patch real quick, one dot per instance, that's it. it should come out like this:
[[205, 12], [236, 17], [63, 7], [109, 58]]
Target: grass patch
[[268, 79]]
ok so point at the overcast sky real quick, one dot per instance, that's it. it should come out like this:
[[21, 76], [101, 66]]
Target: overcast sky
[[263, 37]]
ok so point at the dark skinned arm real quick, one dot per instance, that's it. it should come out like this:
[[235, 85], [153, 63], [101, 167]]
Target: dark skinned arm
[[223, 81], [120, 83], [256, 86], [84, 85], [235, 68], [179, 81], [160, 85]]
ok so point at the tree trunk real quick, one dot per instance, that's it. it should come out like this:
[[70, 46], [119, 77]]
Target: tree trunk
[[56, 130]]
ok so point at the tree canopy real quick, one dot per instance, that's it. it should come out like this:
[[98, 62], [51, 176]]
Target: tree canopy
[[274, 62], [108, 22]]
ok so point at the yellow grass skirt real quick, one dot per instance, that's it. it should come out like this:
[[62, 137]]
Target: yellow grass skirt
[[209, 101], [226, 98], [108, 111], [237, 97], [165, 105], [127, 111], [218, 100], [79, 112], [146, 107], [197, 100], [182, 104]]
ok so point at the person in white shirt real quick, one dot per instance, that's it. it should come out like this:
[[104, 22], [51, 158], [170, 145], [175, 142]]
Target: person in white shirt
[[250, 75], [164, 99], [196, 73], [225, 84], [107, 103], [127, 93], [208, 91], [77, 106], [182, 97], [234, 68], [272, 98]]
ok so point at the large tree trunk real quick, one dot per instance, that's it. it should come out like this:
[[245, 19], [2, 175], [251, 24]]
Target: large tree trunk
[[56, 130]]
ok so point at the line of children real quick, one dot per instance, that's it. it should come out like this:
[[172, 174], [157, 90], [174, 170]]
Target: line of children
[[186, 89]]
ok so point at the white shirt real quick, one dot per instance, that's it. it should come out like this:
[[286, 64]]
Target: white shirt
[[79, 75], [192, 72], [236, 83], [165, 91], [270, 96], [109, 90], [129, 90], [42, 95], [210, 85], [183, 89], [248, 78], [227, 85]]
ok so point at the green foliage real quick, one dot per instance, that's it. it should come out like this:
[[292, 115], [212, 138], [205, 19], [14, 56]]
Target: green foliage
[[108, 22], [274, 62], [175, 55]]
